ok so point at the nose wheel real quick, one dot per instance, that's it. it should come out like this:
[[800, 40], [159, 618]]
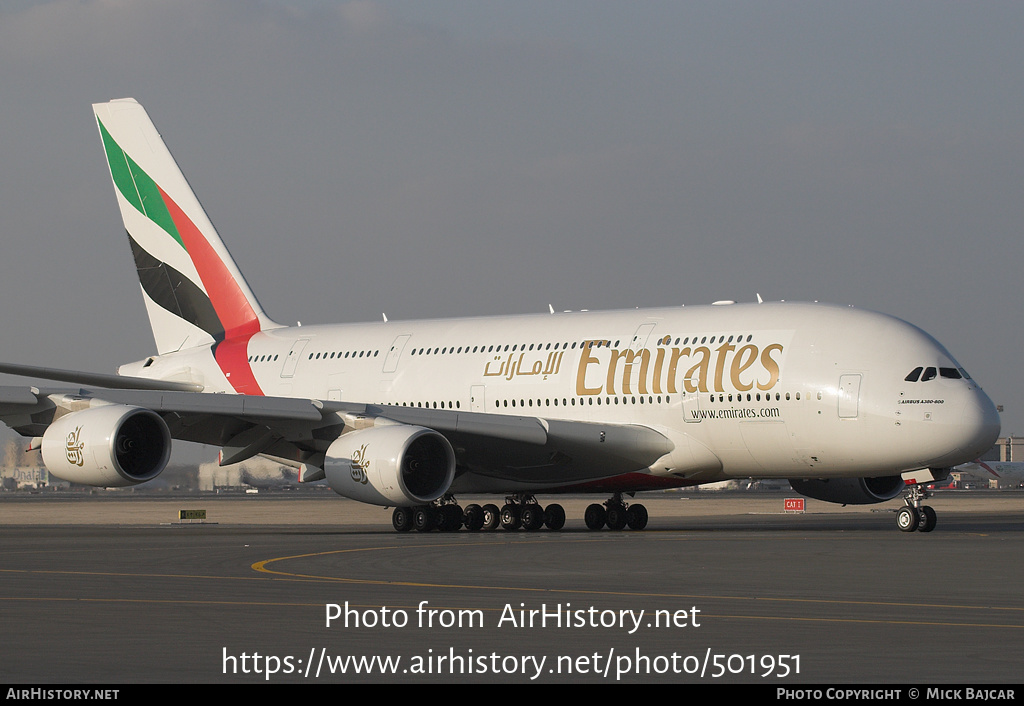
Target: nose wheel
[[914, 516], [907, 518]]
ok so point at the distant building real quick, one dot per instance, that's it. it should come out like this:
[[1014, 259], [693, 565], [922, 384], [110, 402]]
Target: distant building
[[24, 469], [253, 473], [1009, 449]]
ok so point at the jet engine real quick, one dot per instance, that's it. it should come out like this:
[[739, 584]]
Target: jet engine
[[399, 465], [109, 446], [850, 491]]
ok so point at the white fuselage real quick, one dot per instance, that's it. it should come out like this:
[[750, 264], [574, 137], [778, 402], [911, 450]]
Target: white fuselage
[[742, 390]]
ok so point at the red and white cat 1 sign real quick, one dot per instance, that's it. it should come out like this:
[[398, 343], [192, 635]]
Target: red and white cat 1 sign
[[794, 505]]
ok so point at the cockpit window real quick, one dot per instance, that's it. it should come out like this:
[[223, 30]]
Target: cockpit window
[[925, 374]]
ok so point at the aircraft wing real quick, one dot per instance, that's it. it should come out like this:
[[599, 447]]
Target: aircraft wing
[[517, 448], [77, 377], [534, 449]]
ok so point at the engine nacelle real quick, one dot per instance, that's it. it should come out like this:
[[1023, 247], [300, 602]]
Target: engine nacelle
[[396, 465], [109, 446], [850, 491]]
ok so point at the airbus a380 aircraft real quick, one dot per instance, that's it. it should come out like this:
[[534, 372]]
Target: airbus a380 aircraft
[[848, 404]]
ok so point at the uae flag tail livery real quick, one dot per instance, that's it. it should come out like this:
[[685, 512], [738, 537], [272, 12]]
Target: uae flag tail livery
[[195, 295]]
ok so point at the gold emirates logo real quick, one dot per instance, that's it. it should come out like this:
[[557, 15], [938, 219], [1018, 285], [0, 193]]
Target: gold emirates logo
[[359, 464], [603, 370], [608, 371], [74, 446]]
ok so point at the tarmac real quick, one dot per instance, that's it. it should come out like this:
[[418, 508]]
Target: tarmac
[[311, 588]]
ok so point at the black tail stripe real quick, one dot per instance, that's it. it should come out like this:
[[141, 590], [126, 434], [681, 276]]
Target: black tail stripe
[[173, 291]]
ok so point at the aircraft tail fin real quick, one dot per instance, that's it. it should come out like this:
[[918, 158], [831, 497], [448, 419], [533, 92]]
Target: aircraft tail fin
[[195, 294]]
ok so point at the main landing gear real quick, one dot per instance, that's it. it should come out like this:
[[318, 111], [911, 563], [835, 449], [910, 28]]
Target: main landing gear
[[447, 515], [914, 515], [616, 514], [519, 511]]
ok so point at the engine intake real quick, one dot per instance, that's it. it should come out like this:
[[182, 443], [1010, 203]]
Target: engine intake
[[395, 465], [850, 491], [108, 446]]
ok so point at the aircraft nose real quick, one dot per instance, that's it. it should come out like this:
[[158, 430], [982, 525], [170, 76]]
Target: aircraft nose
[[971, 426], [980, 424]]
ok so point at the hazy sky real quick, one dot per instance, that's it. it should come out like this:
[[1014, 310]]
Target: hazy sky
[[427, 158]]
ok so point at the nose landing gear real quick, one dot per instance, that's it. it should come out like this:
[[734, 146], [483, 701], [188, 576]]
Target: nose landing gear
[[914, 515]]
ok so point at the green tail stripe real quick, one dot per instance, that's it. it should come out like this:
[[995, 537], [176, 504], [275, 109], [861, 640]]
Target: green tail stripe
[[136, 186]]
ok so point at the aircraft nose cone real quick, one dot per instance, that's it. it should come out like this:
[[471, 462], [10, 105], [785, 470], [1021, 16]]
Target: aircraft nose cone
[[964, 436], [980, 425]]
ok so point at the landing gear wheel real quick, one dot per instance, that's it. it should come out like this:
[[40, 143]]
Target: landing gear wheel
[[907, 519], [449, 518], [927, 515], [636, 517], [594, 517], [532, 517], [915, 515], [491, 517], [510, 517], [424, 519], [401, 519], [615, 517], [554, 517], [474, 518]]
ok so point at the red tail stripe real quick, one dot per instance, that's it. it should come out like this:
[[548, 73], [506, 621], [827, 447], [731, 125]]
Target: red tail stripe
[[233, 358], [233, 309], [230, 303]]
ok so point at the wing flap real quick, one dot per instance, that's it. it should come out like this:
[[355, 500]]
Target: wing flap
[[10, 395]]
